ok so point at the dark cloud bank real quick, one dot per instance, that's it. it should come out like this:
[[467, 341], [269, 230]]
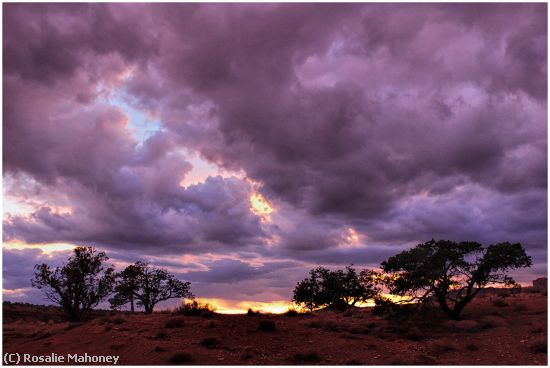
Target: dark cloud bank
[[404, 122]]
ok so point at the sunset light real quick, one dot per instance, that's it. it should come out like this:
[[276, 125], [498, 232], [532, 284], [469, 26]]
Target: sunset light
[[351, 236], [46, 248], [278, 158], [259, 205], [228, 306]]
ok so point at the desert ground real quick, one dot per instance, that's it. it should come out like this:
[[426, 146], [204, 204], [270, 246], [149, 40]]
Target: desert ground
[[500, 330]]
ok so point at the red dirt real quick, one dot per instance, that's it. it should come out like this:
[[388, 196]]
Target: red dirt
[[492, 333]]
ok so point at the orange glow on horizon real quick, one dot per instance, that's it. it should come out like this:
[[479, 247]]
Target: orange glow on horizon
[[227, 306]]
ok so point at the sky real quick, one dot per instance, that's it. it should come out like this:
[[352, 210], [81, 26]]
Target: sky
[[238, 146]]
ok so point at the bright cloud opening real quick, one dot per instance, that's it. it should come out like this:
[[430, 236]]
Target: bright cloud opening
[[260, 206]]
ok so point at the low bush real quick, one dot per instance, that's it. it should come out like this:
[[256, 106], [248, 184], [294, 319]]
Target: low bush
[[398, 361], [520, 307], [181, 358], [161, 335], [73, 325], [291, 313], [499, 302], [443, 347], [540, 347], [210, 342], [267, 325], [414, 334], [174, 323], [311, 357], [196, 309]]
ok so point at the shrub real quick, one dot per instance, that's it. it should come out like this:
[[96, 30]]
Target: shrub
[[196, 309], [443, 347], [180, 358], [72, 325], [539, 347], [499, 302], [251, 313], [161, 335], [310, 357], [291, 313], [175, 323], [117, 320], [414, 334], [398, 361], [207, 314], [210, 342], [488, 323], [117, 346], [267, 325]]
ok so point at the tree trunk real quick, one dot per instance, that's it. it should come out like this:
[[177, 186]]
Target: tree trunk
[[132, 304], [443, 304]]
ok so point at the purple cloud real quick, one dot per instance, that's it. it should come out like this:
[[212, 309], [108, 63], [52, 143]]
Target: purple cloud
[[401, 121]]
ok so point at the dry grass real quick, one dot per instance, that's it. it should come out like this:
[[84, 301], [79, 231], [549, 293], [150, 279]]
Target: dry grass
[[174, 323]]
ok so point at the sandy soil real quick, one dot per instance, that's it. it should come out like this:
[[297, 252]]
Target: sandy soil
[[505, 331]]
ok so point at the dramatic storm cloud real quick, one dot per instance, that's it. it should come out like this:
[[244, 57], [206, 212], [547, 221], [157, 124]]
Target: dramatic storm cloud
[[239, 145]]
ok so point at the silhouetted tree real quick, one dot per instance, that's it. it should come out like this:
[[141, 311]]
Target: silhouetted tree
[[451, 273], [79, 285], [149, 286], [126, 287], [334, 289]]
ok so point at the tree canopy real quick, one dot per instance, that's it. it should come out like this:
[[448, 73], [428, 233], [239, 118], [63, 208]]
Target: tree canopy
[[149, 286], [451, 273], [79, 285], [334, 289]]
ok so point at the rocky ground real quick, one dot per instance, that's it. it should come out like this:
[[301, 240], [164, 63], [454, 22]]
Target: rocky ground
[[495, 330]]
